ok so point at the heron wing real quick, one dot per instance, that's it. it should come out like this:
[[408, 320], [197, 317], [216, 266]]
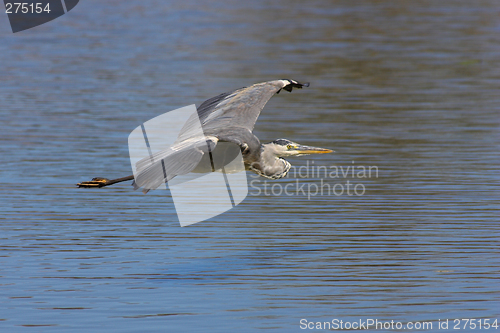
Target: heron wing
[[177, 160], [241, 107]]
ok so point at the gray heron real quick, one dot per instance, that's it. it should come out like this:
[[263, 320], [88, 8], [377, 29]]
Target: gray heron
[[229, 117]]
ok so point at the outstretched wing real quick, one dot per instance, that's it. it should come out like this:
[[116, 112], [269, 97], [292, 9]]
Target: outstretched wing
[[241, 107], [174, 161]]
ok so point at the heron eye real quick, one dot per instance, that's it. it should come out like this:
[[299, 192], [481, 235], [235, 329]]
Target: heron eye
[[289, 147]]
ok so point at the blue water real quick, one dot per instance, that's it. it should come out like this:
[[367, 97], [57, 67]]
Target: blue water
[[411, 88]]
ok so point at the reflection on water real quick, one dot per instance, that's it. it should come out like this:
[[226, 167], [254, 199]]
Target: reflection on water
[[411, 88]]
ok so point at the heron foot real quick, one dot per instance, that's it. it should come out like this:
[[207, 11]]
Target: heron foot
[[95, 182]]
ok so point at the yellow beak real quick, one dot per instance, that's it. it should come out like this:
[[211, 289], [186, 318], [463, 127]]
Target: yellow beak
[[312, 150]]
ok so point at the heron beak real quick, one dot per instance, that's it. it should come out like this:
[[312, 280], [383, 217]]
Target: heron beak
[[306, 150]]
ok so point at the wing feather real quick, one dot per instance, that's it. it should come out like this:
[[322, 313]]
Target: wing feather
[[241, 107], [164, 165]]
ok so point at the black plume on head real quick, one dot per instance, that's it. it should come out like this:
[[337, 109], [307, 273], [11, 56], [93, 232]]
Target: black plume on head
[[282, 142]]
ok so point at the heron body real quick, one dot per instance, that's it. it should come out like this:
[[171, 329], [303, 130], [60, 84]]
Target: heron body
[[226, 118]]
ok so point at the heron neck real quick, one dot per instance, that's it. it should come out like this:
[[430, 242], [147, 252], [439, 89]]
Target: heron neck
[[269, 165]]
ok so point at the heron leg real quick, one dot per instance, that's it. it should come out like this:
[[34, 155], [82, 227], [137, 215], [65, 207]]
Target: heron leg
[[101, 182], [95, 182]]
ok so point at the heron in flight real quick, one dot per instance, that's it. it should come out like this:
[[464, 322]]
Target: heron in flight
[[227, 118]]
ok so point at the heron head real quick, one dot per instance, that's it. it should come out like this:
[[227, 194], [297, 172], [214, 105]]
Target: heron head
[[284, 147]]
